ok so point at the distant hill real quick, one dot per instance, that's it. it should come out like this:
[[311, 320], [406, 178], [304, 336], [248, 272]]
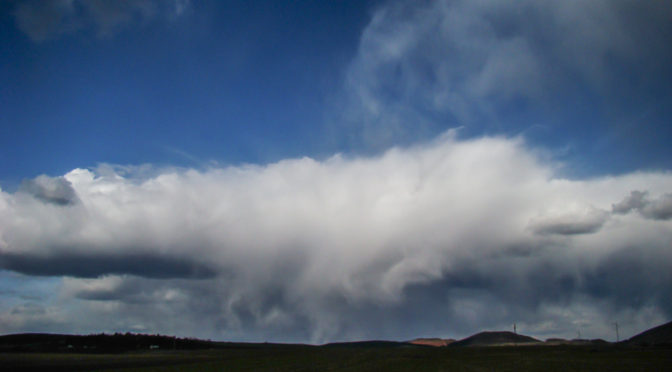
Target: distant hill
[[495, 339], [437, 342], [657, 336]]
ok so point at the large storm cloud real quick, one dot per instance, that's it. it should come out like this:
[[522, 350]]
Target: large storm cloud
[[482, 232]]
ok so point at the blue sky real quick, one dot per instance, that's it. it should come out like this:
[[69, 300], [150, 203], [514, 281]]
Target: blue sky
[[234, 82], [230, 82], [167, 155]]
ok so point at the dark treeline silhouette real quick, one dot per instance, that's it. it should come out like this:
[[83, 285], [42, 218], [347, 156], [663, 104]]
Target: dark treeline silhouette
[[117, 342]]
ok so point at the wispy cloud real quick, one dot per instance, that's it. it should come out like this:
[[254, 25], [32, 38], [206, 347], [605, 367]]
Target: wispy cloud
[[43, 20], [425, 66]]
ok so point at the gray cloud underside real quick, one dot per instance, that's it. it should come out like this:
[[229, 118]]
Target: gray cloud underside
[[584, 222], [657, 209], [51, 190], [481, 230], [91, 265]]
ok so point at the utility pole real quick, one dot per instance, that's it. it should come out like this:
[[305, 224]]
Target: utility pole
[[616, 325], [514, 328]]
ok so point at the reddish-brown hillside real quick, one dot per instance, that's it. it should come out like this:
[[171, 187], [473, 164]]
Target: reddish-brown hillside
[[432, 341]]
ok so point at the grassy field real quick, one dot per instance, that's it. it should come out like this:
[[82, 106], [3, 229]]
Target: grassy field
[[353, 358]]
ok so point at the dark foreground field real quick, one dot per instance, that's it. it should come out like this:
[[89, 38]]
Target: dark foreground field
[[354, 358]]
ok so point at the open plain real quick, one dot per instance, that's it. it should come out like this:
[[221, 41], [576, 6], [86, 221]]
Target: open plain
[[354, 357]]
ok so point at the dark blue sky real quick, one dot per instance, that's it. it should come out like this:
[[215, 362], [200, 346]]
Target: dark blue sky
[[226, 81]]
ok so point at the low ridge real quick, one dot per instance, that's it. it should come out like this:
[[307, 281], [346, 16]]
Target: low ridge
[[495, 339], [657, 336]]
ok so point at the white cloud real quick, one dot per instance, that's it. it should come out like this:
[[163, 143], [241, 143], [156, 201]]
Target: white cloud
[[307, 244]]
